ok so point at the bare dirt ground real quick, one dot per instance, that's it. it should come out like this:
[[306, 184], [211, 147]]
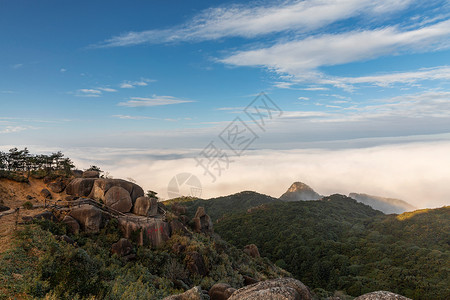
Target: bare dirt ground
[[14, 195]]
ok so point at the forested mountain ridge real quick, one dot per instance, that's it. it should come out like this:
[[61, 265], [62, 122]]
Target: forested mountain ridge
[[337, 243]]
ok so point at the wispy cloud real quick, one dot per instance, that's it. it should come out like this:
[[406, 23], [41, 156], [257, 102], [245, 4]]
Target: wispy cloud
[[153, 101], [62, 70], [133, 84], [17, 66], [306, 55], [106, 89], [88, 93], [256, 19], [14, 129]]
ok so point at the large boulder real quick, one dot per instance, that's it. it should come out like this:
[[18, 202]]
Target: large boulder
[[122, 248], [202, 222], [72, 224], [119, 199], [251, 250], [57, 186], [196, 293], [89, 217], [142, 206], [46, 215], [80, 187], [280, 289], [144, 231], [221, 291], [381, 295], [101, 187], [91, 174], [46, 194]]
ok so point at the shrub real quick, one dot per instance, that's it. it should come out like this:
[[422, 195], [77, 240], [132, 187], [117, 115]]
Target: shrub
[[28, 205]]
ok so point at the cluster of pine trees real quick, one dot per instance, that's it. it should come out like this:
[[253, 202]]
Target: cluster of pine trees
[[16, 160]]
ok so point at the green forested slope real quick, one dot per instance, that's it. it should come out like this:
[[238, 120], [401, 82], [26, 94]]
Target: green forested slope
[[339, 244]]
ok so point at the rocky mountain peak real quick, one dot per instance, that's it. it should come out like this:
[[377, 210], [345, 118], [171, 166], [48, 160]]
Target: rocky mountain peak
[[300, 191]]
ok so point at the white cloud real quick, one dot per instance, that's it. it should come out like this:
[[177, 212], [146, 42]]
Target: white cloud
[[153, 101], [303, 98], [299, 56], [14, 129], [62, 70], [256, 19], [133, 84], [110, 90], [410, 171], [88, 93]]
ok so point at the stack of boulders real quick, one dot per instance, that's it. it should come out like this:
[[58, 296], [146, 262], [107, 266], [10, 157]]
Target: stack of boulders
[[139, 218], [202, 222]]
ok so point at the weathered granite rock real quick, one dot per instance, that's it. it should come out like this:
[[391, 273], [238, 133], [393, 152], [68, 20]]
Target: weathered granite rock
[[101, 187], [119, 199], [88, 216], [202, 222], [91, 174], [195, 293], [381, 295], [142, 206], [251, 250], [280, 289], [77, 173], [151, 231], [221, 291], [80, 187], [57, 186], [46, 194], [73, 225], [122, 248], [46, 215]]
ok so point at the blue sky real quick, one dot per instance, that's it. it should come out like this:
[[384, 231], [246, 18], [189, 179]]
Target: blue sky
[[173, 74]]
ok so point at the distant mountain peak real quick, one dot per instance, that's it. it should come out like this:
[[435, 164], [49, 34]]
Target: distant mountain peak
[[386, 205], [300, 191]]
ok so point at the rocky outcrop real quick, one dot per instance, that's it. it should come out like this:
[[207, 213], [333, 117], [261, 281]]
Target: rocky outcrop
[[46, 194], [122, 248], [119, 199], [72, 224], [221, 291], [299, 191], [80, 187], [91, 174], [195, 263], [381, 295], [145, 231], [251, 250], [88, 216], [282, 289], [202, 222], [196, 293], [178, 209], [102, 186]]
